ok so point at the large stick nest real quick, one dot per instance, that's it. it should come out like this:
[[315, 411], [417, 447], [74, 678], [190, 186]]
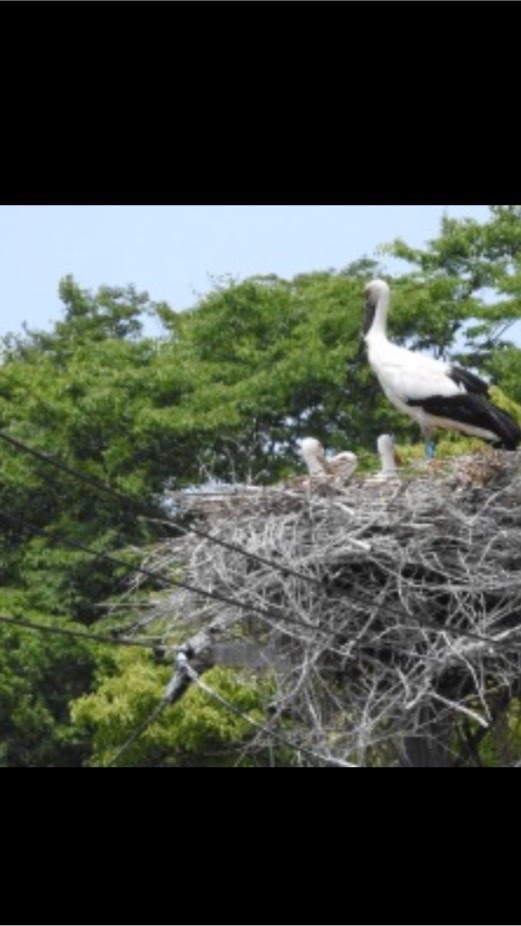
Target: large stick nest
[[398, 620]]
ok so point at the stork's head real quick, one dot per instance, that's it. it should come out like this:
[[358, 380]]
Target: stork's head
[[313, 455], [377, 297], [311, 447]]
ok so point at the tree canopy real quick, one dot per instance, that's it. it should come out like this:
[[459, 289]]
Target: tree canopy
[[224, 393]]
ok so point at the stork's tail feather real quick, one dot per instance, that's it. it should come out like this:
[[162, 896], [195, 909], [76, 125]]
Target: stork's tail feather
[[475, 415], [507, 429]]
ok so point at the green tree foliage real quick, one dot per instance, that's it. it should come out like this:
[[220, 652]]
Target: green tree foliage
[[276, 361], [501, 747], [74, 395], [39, 675], [226, 392], [197, 731], [479, 264]]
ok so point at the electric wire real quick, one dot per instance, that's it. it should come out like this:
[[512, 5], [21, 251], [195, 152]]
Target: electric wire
[[146, 510]]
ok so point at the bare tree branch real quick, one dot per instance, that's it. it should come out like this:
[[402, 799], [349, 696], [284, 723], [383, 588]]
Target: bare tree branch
[[411, 629]]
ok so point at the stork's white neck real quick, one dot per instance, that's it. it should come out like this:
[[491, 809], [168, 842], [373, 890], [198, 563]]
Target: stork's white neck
[[315, 467], [378, 328], [386, 451]]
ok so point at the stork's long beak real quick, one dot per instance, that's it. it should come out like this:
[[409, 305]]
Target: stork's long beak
[[370, 309]]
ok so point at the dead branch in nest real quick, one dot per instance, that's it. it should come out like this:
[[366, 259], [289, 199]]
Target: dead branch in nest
[[403, 623]]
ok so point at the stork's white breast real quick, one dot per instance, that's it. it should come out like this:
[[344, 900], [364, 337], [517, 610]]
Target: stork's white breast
[[406, 376]]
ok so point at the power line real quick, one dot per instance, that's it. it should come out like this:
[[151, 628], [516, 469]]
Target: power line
[[184, 668], [96, 637], [266, 615], [146, 510], [270, 616], [135, 735], [140, 507], [215, 696]]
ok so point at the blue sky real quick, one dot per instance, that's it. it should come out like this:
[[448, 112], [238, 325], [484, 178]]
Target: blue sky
[[174, 251]]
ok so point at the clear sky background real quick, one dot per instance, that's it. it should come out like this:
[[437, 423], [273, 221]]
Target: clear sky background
[[173, 252]]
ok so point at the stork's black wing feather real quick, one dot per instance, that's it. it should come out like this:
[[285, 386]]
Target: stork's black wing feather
[[472, 383], [477, 411]]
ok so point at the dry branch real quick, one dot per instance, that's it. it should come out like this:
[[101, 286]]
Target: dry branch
[[409, 620]]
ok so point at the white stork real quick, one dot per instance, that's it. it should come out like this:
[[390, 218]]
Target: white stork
[[434, 393], [341, 467]]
